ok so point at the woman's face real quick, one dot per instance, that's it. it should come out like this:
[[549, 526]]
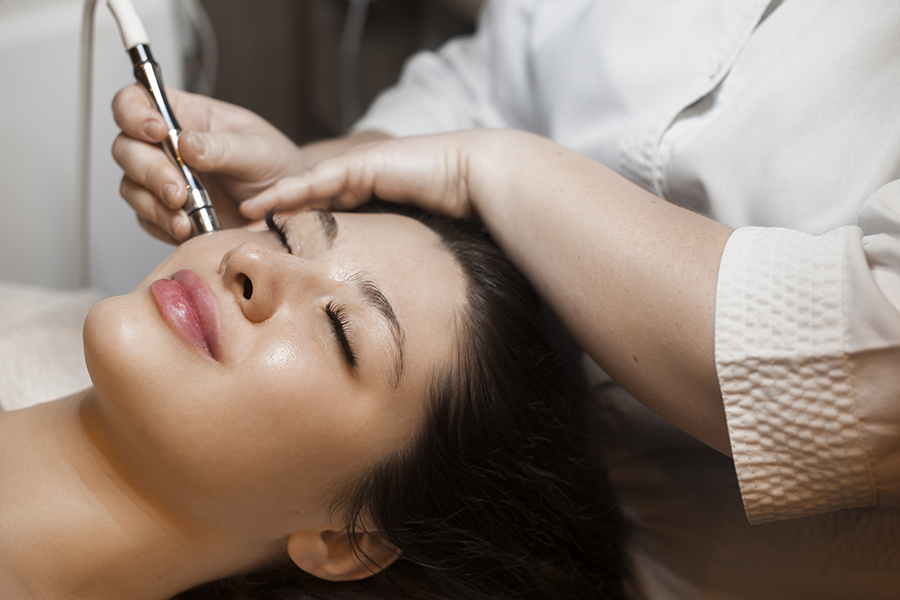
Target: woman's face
[[247, 382]]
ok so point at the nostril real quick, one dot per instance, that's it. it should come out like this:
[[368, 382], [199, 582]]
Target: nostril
[[248, 287]]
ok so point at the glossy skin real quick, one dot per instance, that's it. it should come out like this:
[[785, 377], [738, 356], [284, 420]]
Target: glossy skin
[[259, 439]]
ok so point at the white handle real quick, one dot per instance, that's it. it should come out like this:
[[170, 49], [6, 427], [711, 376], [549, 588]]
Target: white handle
[[130, 25]]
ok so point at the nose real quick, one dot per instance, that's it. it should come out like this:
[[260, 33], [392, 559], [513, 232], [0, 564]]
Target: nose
[[261, 279]]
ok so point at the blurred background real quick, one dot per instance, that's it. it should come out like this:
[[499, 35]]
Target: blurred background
[[280, 58]]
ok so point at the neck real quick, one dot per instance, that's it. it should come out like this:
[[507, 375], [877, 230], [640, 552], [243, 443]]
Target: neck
[[73, 525]]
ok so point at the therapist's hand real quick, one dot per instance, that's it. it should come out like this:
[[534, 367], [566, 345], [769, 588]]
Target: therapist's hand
[[238, 153], [432, 172]]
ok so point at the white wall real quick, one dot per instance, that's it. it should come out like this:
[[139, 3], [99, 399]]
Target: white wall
[[39, 64]]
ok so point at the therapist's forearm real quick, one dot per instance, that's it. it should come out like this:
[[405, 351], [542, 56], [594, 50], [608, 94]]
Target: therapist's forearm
[[631, 276]]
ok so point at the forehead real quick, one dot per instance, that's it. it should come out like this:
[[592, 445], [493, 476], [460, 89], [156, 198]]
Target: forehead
[[401, 254], [419, 277]]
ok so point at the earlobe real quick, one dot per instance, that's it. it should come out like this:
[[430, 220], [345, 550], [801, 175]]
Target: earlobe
[[330, 555]]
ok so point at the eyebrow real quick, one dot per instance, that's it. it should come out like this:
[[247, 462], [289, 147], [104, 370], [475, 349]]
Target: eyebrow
[[376, 299], [372, 294], [328, 223]]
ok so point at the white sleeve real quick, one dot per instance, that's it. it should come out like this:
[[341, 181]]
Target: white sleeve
[[477, 81], [808, 358]]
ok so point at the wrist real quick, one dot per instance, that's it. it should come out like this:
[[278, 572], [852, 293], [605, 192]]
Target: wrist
[[310, 154], [494, 163]]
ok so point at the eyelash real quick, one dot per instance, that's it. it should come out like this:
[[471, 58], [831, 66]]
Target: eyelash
[[338, 316], [278, 229], [336, 313]]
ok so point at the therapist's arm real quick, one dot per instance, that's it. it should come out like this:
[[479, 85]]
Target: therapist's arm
[[631, 276]]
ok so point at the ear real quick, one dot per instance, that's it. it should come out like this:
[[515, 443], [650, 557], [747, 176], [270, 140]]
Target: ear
[[329, 554]]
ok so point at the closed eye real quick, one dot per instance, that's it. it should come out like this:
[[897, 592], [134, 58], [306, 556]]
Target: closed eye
[[338, 316], [278, 228]]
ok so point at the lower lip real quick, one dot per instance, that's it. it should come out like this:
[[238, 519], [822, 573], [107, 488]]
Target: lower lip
[[187, 306]]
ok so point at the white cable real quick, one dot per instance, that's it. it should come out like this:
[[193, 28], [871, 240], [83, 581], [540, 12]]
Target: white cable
[[83, 155], [130, 25], [132, 32], [209, 48]]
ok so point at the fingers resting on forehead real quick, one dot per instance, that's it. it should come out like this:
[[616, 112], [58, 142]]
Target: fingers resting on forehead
[[324, 186], [428, 172]]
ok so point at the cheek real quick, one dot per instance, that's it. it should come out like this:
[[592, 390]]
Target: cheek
[[203, 253], [289, 401], [279, 436], [282, 423], [119, 347], [293, 418]]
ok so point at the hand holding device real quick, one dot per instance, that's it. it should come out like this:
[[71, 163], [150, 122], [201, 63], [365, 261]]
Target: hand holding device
[[239, 153], [198, 207]]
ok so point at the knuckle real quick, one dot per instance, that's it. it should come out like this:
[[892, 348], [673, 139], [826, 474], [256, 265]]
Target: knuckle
[[122, 104], [132, 194], [219, 145], [213, 149], [119, 147], [157, 174], [117, 102]]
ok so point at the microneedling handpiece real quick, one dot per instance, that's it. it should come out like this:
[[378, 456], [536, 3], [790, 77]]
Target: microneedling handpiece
[[198, 207]]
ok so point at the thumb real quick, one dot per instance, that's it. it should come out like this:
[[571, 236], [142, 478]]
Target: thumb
[[206, 151], [246, 157]]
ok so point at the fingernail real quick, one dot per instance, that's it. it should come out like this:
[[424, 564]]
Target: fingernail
[[179, 223], [169, 191], [154, 128]]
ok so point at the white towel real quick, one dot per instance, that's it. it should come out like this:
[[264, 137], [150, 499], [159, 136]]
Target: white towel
[[41, 351]]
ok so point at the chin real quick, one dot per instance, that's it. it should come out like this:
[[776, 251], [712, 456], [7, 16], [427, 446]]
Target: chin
[[138, 368], [121, 344]]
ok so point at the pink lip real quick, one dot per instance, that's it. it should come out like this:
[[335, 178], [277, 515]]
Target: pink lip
[[188, 306]]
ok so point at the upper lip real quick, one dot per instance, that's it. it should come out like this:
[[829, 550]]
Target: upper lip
[[204, 303], [201, 301]]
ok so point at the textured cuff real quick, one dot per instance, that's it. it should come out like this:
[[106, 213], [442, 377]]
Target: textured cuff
[[789, 400]]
